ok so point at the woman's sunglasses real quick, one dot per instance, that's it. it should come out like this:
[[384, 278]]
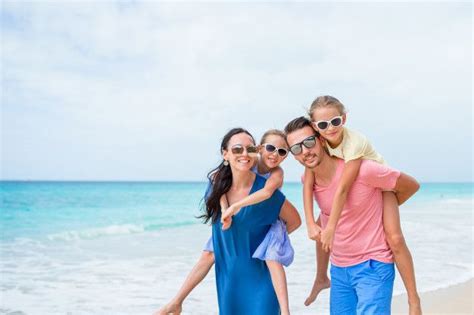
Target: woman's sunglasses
[[252, 150], [297, 148], [270, 148], [324, 124]]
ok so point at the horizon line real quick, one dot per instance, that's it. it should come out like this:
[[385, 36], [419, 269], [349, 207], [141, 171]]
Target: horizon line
[[164, 181]]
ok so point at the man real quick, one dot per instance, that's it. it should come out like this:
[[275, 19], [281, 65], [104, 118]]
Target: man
[[362, 271]]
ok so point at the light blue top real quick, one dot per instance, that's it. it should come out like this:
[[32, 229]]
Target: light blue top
[[266, 175]]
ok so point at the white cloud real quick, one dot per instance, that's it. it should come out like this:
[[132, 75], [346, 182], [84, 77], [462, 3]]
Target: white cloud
[[133, 91]]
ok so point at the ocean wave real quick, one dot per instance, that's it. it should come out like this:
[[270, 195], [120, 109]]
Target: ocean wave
[[441, 285], [98, 232], [111, 230], [455, 274]]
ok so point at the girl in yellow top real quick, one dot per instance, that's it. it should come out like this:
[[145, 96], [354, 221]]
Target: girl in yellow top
[[329, 116]]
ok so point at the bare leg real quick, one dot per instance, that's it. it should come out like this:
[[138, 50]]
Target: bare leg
[[279, 284], [401, 253], [322, 281], [197, 274]]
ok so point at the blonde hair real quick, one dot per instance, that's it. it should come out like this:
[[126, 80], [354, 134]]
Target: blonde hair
[[272, 132], [326, 101]]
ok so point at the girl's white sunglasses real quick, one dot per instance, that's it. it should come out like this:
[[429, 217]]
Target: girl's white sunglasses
[[324, 124], [270, 148]]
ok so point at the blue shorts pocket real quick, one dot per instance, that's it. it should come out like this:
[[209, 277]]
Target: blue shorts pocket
[[385, 271]]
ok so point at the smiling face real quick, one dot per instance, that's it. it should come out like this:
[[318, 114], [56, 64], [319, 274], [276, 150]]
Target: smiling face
[[332, 134], [309, 157], [273, 159], [239, 161]]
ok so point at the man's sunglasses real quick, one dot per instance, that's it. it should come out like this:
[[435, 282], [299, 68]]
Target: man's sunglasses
[[252, 150], [270, 148], [324, 124], [297, 148]]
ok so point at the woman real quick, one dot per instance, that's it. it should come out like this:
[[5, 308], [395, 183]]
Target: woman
[[243, 284]]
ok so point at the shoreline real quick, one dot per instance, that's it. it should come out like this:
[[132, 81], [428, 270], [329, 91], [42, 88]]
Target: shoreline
[[455, 299]]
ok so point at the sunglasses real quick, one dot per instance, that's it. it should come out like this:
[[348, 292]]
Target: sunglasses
[[270, 148], [252, 150], [324, 124], [297, 148]]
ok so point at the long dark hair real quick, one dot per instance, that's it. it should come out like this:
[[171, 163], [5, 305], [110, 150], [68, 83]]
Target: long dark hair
[[220, 179]]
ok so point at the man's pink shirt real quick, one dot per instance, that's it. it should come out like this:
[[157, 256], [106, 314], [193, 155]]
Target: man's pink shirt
[[359, 234]]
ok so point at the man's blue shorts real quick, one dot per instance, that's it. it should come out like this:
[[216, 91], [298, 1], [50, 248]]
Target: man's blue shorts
[[365, 288]]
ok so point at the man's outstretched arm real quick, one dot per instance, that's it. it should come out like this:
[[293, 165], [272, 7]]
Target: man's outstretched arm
[[405, 187]]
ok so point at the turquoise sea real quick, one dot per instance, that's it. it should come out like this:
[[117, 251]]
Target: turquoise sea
[[125, 247]]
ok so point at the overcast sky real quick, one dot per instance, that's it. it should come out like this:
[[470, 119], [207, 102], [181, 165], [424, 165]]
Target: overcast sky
[[146, 90]]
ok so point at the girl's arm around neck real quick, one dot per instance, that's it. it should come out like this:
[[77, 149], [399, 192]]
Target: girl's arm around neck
[[274, 182]]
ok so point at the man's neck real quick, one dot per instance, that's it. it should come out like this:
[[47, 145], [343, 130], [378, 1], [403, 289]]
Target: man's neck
[[325, 171]]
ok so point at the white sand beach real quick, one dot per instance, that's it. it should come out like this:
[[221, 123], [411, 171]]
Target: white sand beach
[[457, 299]]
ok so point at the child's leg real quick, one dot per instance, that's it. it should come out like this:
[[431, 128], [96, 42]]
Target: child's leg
[[197, 274], [279, 284], [401, 253], [322, 281]]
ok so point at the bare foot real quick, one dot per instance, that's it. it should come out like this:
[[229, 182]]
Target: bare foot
[[318, 286], [415, 308], [170, 309]]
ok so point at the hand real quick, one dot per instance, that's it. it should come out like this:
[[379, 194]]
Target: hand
[[232, 210], [327, 236], [314, 232], [226, 223]]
